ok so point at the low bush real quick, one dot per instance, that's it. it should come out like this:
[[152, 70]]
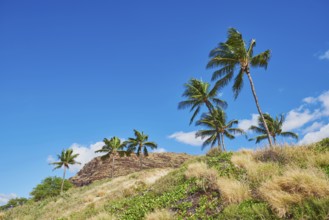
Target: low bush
[[49, 187]]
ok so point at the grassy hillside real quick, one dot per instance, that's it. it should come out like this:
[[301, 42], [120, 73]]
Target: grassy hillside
[[281, 182]]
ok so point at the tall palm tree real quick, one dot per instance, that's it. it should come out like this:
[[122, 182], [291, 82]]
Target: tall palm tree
[[234, 54], [216, 128], [274, 126], [140, 143], [113, 147], [198, 93], [66, 158]]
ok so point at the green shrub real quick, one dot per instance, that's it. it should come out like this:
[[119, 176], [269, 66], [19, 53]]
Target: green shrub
[[311, 209], [322, 145], [49, 187], [14, 203], [248, 210]]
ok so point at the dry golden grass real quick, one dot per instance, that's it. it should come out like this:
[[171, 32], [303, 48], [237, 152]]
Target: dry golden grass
[[77, 200], [292, 187], [233, 191], [257, 171], [161, 214], [2, 215], [206, 177]]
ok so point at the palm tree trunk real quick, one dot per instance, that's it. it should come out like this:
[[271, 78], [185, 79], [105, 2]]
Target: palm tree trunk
[[258, 107], [218, 134], [62, 186], [140, 161], [223, 145], [112, 170], [274, 139]]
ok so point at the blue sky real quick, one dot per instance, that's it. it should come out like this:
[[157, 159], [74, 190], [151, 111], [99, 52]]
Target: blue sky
[[74, 72]]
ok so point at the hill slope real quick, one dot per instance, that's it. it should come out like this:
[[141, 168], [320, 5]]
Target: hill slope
[[277, 183]]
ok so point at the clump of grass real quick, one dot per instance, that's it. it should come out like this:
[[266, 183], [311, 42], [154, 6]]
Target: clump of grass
[[273, 154], [294, 186], [160, 214], [2, 215], [206, 177], [233, 191], [257, 172]]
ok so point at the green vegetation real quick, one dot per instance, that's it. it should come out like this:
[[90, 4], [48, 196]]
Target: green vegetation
[[50, 187], [13, 203], [274, 183], [274, 126], [66, 158], [140, 144], [112, 148]]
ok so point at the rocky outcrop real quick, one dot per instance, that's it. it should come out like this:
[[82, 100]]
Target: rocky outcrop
[[99, 168]]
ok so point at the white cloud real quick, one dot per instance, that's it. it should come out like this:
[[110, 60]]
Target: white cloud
[[246, 123], [187, 138], [4, 198], [324, 56], [297, 118], [315, 126], [316, 135], [159, 150], [86, 154]]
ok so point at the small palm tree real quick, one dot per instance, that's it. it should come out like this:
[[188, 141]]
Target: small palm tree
[[198, 93], [234, 54], [217, 127], [140, 143], [66, 158], [274, 126], [113, 147]]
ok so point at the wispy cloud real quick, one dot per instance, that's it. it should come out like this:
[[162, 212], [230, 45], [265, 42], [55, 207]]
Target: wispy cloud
[[187, 138], [4, 198], [324, 56]]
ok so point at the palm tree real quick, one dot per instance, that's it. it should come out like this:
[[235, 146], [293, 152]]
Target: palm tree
[[111, 148], [140, 142], [274, 126], [234, 54], [198, 93], [217, 128], [66, 158]]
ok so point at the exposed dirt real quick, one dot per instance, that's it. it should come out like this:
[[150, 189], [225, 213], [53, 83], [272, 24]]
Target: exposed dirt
[[100, 168]]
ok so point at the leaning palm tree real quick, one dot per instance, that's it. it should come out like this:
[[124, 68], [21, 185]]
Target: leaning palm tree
[[274, 126], [234, 54], [113, 147], [140, 143], [198, 93], [66, 158], [216, 128]]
